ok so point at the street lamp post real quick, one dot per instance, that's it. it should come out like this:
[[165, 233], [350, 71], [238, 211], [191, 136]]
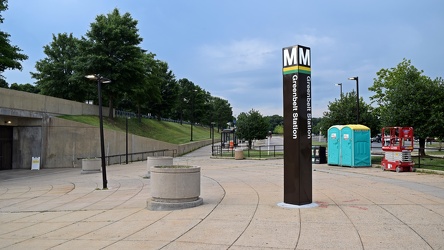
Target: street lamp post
[[340, 89], [212, 137], [192, 118], [357, 96], [127, 118], [192, 113], [101, 80]]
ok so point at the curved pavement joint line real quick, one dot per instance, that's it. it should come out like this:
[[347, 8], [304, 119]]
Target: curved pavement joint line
[[353, 208]]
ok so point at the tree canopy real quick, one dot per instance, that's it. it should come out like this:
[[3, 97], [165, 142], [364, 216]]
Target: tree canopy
[[343, 111], [140, 82], [10, 56], [55, 73], [251, 126], [111, 49], [406, 97]]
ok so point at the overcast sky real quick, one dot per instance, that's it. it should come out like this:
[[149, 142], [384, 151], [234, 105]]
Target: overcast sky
[[232, 48]]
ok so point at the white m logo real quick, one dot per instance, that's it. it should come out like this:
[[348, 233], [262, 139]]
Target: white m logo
[[290, 58], [296, 57], [304, 57]]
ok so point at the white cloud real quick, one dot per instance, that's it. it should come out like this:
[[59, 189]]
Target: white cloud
[[236, 56], [314, 41]]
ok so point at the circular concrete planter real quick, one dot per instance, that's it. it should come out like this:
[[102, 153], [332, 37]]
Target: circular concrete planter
[[174, 187], [239, 154], [153, 161], [92, 165]]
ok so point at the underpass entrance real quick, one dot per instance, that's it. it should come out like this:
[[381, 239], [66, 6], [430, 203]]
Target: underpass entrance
[[5, 147]]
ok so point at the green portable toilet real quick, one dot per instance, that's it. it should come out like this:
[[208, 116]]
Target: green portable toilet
[[334, 145], [355, 146]]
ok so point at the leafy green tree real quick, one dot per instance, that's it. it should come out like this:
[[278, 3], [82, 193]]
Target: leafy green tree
[[10, 56], [55, 73], [188, 98], [437, 119], [404, 96], [111, 49], [3, 83], [221, 112], [182, 105], [169, 90], [25, 87], [315, 121], [149, 88], [279, 129], [251, 126], [274, 121], [343, 111], [203, 116]]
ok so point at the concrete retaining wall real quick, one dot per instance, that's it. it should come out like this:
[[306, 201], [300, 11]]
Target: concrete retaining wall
[[67, 141], [14, 101], [37, 132]]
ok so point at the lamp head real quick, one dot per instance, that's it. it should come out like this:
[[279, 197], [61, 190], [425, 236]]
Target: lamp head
[[353, 78], [91, 77]]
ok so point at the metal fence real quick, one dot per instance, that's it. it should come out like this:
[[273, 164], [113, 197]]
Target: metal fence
[[435, 160], [255, 152], [133, 157], [121, 113]]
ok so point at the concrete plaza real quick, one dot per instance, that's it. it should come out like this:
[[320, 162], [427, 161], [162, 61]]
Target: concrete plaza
[[358, 208]]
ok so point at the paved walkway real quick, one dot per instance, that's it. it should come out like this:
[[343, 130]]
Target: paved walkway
[[359, 208]]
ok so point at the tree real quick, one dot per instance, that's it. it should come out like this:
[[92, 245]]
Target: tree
[[315, 121], [221, 112], [111, 49], [10, 56], [343, 111], [3, 83], [251, 126], [185, 104], [274, 121], [55, 73], [404, 96], [25, 87], [437, 119], [169, 90], [149, 88]]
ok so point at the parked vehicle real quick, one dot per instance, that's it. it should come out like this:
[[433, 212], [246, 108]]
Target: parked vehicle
[[376, 138]]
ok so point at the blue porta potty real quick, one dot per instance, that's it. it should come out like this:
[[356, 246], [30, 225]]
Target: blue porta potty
[[355, 146], [334, 145]]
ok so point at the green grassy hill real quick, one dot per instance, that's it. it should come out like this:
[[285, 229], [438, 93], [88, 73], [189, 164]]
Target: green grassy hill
[[160, 130]]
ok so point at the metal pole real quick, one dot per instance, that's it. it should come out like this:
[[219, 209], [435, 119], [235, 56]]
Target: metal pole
[[212, 138], [126, 140], [341, 91], [357, 99], [192, 117], [102, 141], [357, 96]]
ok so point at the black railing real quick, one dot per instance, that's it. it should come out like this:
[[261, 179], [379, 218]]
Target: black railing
[[133, 157], [254, 152], [121, 113]]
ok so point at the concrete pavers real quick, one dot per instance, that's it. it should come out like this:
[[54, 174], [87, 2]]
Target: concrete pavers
[[358, 208]]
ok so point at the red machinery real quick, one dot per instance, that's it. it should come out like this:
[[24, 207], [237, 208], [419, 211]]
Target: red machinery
[[397, 144]]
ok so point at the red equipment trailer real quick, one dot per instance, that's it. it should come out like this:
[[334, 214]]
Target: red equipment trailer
[[397, 144]]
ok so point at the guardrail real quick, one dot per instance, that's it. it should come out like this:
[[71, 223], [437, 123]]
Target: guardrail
[[133, 157]]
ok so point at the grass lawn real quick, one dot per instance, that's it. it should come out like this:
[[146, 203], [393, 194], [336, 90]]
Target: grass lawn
[[159, 130]]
